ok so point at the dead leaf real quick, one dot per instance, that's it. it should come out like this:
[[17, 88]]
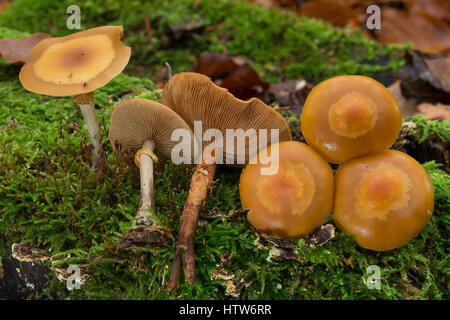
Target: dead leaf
[[435, 112], [18, 50], [336, 12], [425, 76], [291, 94], [214, 65], [407, 105], [321, 236], [4, 4], [232, 73], [424, 23], [221, 275], [23, 252], [279, 254]]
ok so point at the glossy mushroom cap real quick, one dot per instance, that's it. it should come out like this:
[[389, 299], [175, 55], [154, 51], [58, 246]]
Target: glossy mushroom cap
[[75, 64], [349, 116], [383, 200], [294, 201], [196, 98], [136, 121]]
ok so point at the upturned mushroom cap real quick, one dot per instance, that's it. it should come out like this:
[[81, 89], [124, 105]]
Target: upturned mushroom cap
[[75, 64], [293, 202], [196, 98], [136, 121], [383, 200], [349, 116]]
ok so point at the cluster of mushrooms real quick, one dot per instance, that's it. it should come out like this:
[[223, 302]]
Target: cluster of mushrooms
[[383, 198]]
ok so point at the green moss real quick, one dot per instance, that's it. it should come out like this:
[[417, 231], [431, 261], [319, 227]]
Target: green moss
[[441, 184], [424, 128], [49, 196], [10, 33]]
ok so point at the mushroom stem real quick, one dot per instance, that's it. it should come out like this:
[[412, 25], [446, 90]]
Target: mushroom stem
[[86, 105], [200, 183], [147, 186]]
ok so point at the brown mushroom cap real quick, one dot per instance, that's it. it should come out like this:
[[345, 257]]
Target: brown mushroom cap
[[383, 200], [349, 116], [136, 121], [75, 64], [196, 98], [293, 202]]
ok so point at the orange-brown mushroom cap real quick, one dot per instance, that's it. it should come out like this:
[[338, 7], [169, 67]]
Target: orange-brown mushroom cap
[[196, 98], [295, 200], [383, 199], [75, 64], [349, 116]]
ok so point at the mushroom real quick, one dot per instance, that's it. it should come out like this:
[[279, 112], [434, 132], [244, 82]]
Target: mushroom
[[349, 116], [293, 202], [196, 98], [141, 134], [383, 200], [76, 65]]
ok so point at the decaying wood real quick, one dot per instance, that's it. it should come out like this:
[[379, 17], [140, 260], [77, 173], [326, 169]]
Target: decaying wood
[[200, 183]]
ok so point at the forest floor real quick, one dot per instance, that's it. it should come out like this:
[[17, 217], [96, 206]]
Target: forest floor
[[50, 200]]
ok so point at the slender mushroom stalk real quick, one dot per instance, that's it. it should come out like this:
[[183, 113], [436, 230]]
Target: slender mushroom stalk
[[196, 98], [86, 104], [200, 183], [77, 65], [145, 158], [140, 133]]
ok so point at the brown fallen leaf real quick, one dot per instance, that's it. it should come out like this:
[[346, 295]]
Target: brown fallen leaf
[[424, 23], [23, 252], [232, 73], [215, 64], [435, 112], [18, 50], [407, 105], [244, 83], [291, 94], [321, 236], [425, 76], [4, 4], [337, 12]]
